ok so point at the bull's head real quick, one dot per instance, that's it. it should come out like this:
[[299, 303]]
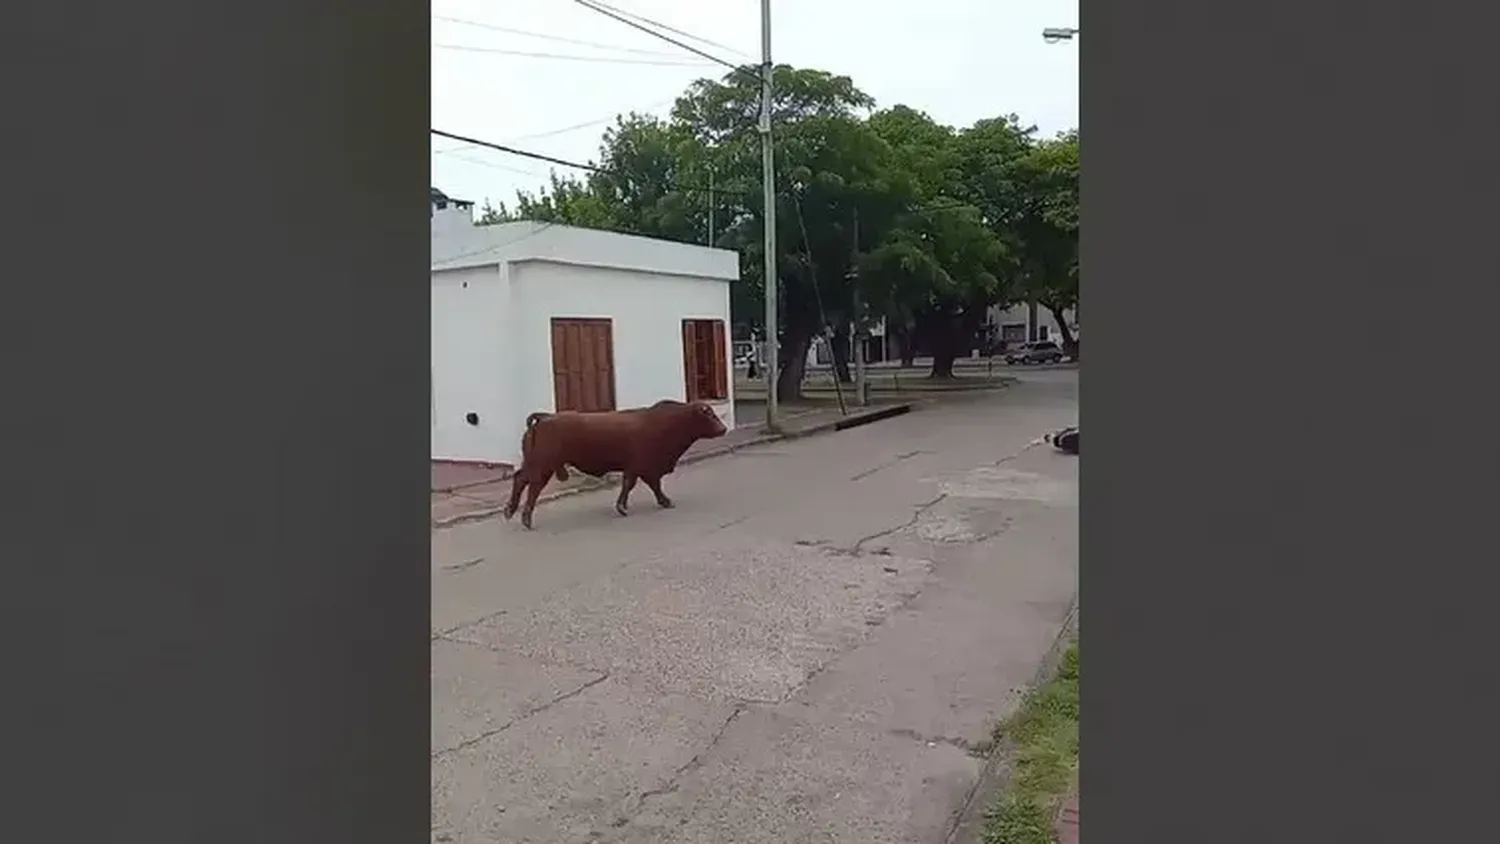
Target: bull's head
[[709, 425]]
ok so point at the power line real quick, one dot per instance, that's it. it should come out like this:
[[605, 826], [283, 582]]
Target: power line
[[565, 129], [599, 59], [659, 25], [588, 123], [561, 39], [594, 7], [812, 279], [563, 162], [482, 163], [595, 168], [541, 226]]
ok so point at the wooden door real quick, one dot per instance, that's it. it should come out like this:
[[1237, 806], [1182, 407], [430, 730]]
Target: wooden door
[[583, 364], [705, 360]]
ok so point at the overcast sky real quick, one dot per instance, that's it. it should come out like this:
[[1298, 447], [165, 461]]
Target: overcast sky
[[958, 60]]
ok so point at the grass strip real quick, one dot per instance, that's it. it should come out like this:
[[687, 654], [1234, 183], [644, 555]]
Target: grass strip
[[1042, 737]]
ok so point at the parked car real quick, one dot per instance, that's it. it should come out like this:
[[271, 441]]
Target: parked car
[[1037, 351]]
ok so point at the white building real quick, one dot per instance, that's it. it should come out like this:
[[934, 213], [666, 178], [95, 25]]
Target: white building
[[1023, 322], [877, 347], [533, 317]]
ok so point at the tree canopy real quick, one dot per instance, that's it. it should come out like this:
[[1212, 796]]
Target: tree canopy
[[888, 212]]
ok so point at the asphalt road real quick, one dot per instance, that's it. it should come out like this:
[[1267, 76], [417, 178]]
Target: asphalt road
[[808, 648]]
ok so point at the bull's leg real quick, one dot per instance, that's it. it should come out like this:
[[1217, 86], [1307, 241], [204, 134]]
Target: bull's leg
[[661, 497], [533, 489], [622, 504], [517, 486]]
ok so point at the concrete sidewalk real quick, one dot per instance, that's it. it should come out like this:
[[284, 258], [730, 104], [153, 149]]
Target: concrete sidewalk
[[1067, 821], [812, 646]]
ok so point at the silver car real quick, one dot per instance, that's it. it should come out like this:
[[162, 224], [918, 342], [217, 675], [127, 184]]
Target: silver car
[[1037, 351]]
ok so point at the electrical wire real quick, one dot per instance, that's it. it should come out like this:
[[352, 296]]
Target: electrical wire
[[573, 128], [561, 39], [609, 13], [563, 162], [952, 205], [587, 124], [659, 25], [540, 227], [812, 265], [598, 59], [812, 279], [481, 162]]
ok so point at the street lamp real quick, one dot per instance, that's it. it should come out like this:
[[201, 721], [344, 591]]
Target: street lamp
[[1054, 34]]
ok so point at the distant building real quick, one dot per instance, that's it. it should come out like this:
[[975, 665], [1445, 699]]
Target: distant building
[[530, 316], [878, 347], [1027, 321], [439, 201]]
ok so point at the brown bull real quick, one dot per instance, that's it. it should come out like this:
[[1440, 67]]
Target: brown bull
[[642, 443]]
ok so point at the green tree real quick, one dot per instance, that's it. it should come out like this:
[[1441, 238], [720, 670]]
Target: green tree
[[635, 186], [1047, 181], [567, 200], [831, 170], [944, 263], [1027, 191], [922, 225]]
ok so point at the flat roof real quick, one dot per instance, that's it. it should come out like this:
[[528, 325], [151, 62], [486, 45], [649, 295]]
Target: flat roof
[[528, 240]]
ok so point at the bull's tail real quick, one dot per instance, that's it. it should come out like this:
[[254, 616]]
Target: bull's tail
[[530, 436]]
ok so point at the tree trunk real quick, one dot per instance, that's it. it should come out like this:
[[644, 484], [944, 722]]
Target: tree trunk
[[952, 338], [942, 362], [793, 365], [908, 349], [943, 337], [1069, 342], [840, 353]]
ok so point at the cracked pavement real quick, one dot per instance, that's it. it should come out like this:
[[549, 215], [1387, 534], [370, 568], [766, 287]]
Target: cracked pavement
[[809, 647]]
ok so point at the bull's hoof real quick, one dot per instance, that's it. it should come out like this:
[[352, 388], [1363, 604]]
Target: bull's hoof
[[665, 503], [508, 512], [622, 509], [526, 520]]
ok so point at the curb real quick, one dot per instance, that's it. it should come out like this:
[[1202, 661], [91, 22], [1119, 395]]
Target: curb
[[593, 484], [968, 822], [872, 416], [1002, 382], [471, 484]]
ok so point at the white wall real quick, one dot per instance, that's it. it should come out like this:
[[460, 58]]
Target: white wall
[[470, 364], [1020, 314], [453, 218], [495, 290], [646, 309]]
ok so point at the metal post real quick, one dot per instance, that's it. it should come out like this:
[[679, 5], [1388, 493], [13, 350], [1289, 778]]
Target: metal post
[[768, 196], [710, 205], [861, 386]]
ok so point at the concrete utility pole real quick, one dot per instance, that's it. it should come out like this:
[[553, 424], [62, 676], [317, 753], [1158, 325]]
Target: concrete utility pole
[[861, 386], [710, 206], [768, 196]]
